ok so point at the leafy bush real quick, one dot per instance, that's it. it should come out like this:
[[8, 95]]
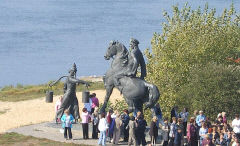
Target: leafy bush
[[190, 39], [118, 105], [213, 88]]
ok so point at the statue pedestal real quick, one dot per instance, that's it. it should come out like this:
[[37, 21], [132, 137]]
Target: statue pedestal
[[85, 96], [49, 96]]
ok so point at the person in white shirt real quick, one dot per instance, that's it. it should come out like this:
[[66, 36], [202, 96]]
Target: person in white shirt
[[114, 115], [102, 127], [236, 126]]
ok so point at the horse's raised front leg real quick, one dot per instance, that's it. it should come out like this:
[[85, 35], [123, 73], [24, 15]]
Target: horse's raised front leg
[[109, 90]]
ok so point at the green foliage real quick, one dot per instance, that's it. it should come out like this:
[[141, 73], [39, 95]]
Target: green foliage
[[20, 92], [190, 39], [118, 105], [213, 88]]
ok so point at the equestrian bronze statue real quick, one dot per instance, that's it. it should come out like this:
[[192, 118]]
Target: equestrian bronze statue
[[122, 75]]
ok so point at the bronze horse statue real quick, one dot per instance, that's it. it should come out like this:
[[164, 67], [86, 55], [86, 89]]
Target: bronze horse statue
[[136, 91]]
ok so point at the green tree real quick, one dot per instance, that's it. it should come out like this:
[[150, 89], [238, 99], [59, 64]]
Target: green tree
[[190, 39], [213, 88]]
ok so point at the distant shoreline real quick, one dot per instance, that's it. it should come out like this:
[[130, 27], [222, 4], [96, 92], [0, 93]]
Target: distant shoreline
[[92, 78]]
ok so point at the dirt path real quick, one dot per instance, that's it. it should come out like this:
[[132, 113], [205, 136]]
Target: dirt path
[[37, 111]]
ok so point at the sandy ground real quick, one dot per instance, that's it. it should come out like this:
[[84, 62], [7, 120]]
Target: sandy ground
[[37, 111]]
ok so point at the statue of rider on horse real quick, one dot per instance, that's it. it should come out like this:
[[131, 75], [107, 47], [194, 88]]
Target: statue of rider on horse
[[131, 71], [122, 75]]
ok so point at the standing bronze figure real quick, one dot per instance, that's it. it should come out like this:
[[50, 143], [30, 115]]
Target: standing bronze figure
[[122, 74], [70, 100]]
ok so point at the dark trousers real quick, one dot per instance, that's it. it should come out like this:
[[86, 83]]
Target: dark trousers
[[171, 141], [85, 130], [95, 132], [165, 143], [141, 139], [238, 135], [92, 110], [193, 142], [67, 130], [126, 134], [177, 144], [185, 128]]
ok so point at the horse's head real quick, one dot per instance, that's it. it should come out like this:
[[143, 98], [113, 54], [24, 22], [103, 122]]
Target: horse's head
[[111, 50]]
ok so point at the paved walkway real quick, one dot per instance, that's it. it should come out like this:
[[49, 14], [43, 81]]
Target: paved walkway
[[50, 130]]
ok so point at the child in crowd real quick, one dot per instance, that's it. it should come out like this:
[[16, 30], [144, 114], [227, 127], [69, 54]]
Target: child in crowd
[[102, 127], [94, 102], [67, 120], [132, 127], [57, 106]]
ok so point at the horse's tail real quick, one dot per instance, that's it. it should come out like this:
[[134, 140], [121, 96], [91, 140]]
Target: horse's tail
[[153, 96]]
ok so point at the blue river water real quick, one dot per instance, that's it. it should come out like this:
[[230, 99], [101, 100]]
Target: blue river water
[[41, 39]]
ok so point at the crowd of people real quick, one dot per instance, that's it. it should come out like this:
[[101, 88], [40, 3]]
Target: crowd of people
[[89, 114], [132, 128], [181, 130], [109, 127], [200, 131]]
